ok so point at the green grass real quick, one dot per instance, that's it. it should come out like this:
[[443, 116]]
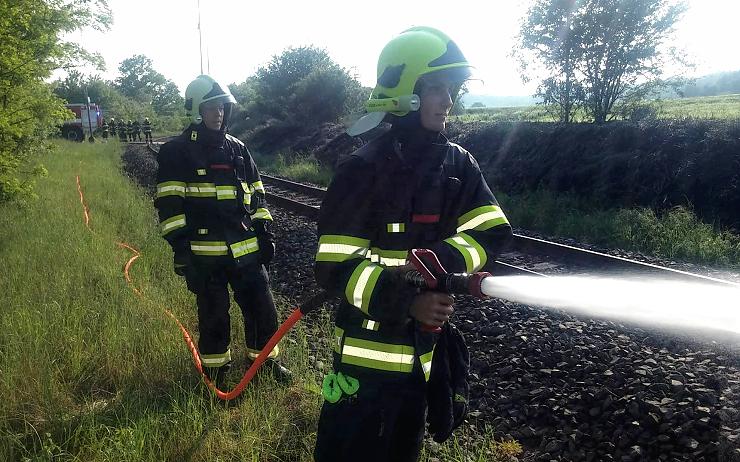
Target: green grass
[[724, 107], [298, 168], [89, 372], [505, 114], [676, 234], [706, 107]]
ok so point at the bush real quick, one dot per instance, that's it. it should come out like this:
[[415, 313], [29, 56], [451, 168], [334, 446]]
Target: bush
[[654, 164], [300, 87]]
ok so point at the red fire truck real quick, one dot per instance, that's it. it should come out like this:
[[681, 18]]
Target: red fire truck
[[88, 117]]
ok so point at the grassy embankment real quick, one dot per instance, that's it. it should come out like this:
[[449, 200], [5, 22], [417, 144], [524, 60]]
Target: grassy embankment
[[725, 107], [299, 168], [90, 372]]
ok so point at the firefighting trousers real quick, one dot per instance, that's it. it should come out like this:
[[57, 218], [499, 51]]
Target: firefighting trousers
[[251, 292], [381, 422]]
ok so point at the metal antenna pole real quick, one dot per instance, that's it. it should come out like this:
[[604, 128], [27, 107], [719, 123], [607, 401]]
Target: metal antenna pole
[[200, 40]]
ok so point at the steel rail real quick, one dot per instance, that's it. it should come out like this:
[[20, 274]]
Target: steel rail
[[523, 244]]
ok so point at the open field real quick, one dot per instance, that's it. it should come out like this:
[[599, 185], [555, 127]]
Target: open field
[[726, 107]]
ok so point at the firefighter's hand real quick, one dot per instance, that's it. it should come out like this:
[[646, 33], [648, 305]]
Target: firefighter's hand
[[432, 308], [181, 262], [267, 249], [264, 240]]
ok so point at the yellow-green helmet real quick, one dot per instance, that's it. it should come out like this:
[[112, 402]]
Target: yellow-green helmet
[[202, 90], [412, 54], [415, 52]]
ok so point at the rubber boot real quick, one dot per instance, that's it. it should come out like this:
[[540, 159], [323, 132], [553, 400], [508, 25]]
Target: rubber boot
[[217, 375]]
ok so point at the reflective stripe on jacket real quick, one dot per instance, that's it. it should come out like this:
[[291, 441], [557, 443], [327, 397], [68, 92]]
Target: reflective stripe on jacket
[[209, 193], [383, 202]]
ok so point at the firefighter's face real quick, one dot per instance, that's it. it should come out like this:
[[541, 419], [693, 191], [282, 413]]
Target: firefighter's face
[[435, 93], [213, 114]]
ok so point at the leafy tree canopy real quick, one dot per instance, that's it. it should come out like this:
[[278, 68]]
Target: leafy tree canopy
[[138, 80], [31, 47], [597, 54]]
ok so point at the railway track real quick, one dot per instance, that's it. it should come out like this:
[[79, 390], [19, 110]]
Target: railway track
[[527, 255]]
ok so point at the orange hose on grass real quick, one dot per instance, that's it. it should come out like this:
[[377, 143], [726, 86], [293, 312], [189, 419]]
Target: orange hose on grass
[[249, 374], [85, 209]]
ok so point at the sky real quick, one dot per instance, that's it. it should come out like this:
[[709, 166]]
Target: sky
[[240, 36]]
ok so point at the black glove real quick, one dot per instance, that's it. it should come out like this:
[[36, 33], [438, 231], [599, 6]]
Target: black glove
[[181, 260], [265, 241], [267, 249]]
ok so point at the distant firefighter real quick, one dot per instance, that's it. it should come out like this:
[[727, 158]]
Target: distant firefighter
[[105, 129], [137, 130], [112, 126], [122, 131], [147, 126], [130, 130]]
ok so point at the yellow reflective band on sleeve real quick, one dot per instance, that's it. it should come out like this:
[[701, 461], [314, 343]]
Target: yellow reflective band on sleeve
[[216, 360], [257, 186], [361, 284], [388, 257], [171, 188], [172, 223], [261, 214], [396, 227], [252, 354], [482, 218], [376, 355], [247, 193], [337, 248], [209, 248], [426, 363], [369, 324], [474, 255], [201, 190], [225, 192], [241, 248]]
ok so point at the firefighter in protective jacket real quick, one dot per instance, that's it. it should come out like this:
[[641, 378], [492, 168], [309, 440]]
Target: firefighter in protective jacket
[[136, 128], [147, 127], [212, 211], [122, 131], [408, 188]]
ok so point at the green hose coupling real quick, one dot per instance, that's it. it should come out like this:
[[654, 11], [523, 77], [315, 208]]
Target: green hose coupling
[[334, 385]]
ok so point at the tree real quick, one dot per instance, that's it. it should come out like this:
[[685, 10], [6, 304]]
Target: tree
[[597, 53], [30, 49], [138, 80], [548, 34], [303, 86]]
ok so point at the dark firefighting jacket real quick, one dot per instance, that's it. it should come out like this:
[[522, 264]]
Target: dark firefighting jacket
[[210, 197], [384, 201]]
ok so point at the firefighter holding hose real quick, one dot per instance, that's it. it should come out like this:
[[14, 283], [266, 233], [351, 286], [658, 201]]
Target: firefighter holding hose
[[212, 212], [408, 188]]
